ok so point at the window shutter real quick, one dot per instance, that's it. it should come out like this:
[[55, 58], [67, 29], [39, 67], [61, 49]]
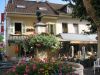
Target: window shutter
[[12, 28], [23, 29]]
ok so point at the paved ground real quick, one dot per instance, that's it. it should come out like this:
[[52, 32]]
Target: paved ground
[[89, 71]]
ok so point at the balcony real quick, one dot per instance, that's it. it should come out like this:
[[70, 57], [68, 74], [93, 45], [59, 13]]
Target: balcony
[[17, 37]]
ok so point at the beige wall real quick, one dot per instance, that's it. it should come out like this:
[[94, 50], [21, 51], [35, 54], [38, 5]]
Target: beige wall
[[29, 22], [81, 25]]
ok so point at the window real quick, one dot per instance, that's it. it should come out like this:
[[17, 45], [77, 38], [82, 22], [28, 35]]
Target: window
[[12, 28], [50, 29], [75, 25], [42, 8], [65, 27], [18, 28], [21, 6], [69, 10]]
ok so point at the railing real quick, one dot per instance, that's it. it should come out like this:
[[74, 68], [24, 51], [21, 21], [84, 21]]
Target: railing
[[17, 37]]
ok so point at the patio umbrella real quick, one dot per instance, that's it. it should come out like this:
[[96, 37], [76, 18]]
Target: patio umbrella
[[72, 51], [83, 51]]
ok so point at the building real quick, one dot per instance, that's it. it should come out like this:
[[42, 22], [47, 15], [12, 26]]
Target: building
[[21, 20], [1, 31]]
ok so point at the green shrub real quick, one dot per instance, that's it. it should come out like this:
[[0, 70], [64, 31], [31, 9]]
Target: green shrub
[[44, 42]]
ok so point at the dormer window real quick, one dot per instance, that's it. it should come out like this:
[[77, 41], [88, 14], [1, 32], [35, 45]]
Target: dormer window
[[42, 8], [69, 10], [21, 6]]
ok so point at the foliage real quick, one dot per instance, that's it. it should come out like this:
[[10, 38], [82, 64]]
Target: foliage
[[37, 68], [80, 12], [1, 38], [44, 42], [96, 5]]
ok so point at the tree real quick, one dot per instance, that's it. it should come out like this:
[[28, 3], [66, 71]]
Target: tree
[[44, 41], [1, 38], [89, 10]]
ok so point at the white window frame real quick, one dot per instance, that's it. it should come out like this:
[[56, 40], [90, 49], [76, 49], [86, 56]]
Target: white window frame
[[54, 27], [76, 30], [23, 28], [63, 27]]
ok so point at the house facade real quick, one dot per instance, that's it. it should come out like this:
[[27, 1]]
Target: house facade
[[21, 20]]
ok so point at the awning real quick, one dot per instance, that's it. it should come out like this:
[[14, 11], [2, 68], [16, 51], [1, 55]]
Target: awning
[[78, 38]]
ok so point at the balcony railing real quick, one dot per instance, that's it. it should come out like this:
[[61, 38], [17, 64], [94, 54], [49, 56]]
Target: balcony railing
[[17, 37]]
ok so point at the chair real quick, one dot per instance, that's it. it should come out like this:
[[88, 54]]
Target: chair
[[96, 64]]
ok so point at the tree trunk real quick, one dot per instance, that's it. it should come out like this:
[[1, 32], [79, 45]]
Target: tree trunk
[[98, 51], [91, 12]]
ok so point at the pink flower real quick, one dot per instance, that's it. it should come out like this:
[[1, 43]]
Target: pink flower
[[27, 66], [13, 69], [34, 66], [27, 69], [60, 73], [14, 66], [25, 74]]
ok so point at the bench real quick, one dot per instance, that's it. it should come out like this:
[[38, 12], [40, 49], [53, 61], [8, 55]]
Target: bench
[[96, 65]]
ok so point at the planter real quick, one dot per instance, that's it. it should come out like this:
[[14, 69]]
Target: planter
[[78, 68], [41, 55]]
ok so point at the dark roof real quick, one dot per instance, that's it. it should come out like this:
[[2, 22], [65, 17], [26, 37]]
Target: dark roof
[[56, 6], [22, 6]]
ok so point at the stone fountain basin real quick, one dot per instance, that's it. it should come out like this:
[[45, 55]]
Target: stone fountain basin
[[78, 68], [5, 65]]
